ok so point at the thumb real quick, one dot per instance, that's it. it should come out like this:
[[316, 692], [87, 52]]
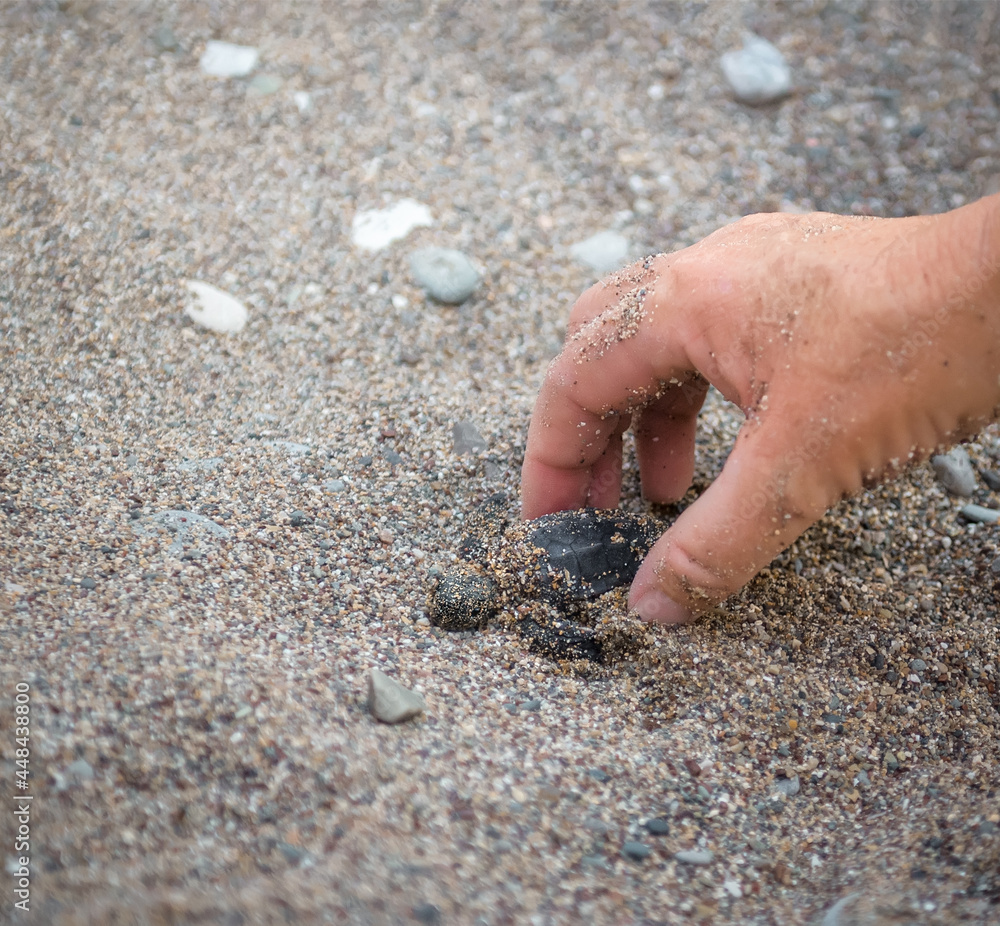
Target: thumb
[[758, 505]]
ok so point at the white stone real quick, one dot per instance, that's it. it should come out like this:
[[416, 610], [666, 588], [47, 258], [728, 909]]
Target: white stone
[[757, 72], [391, 702], [214, 309], [375, 229], [302, 100], [955, 472], [223, 59], [603, 252], [695, 856]]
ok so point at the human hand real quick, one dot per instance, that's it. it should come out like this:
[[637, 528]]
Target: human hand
[[854, 346]]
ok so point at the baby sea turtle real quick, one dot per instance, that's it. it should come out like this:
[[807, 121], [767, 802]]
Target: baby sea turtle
[[545, 571]]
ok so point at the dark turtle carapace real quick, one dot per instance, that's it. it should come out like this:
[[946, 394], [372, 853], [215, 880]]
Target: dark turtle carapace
[[544, 571]]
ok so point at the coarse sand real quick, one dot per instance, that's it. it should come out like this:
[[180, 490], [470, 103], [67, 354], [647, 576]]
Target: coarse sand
[[824, 748]]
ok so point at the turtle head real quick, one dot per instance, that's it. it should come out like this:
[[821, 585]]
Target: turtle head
[[463, 600]]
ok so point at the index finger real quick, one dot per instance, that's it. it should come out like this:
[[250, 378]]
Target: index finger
[[621, 359]]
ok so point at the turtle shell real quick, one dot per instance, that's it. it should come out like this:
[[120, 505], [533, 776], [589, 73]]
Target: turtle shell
[[571, 557]]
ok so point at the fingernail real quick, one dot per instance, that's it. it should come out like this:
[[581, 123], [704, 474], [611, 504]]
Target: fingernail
[[657, 608]]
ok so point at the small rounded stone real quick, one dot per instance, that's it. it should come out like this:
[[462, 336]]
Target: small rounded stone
[[446, 275]]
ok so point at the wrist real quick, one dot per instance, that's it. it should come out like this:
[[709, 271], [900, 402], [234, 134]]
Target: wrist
[[967, 312]]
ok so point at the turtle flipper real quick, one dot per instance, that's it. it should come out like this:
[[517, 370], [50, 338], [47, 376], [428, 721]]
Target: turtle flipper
[[560, 639], [484, 524]]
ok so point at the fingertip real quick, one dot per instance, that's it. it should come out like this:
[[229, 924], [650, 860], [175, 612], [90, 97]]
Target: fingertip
[[654, 607]]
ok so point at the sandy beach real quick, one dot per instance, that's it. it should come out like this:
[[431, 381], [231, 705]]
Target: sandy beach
[[208, 540]]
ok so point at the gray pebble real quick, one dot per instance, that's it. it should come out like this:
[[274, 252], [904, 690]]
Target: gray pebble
[[992, 479], [88, 583], [657, 826], [788, 786], [291, 447], [299, 518], [293, 854], [389, 701], [695, 856], [334, 485], [80, 770], [466, 438], [445, 274], [427, 913], [954, 471], [164, 38], [76, 773], [757, 72], [918, 665], [603, 252], [977, 514], [636, 850]]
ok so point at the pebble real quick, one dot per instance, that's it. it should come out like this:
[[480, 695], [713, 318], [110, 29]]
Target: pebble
[[427, 913], [992, 479], [636, 850], [466, 439], [164, 38], [214, 309], [291, 447], [88, 583], [206, 465], [978, 514], [334, 485], [81, 770], [299, 518], [757, 72], [657, 826], [788, 786], [266, 84], [445, 274], [954, 471], [223, 59], [77, 772], [391, 702], [375, 229], [695, 856], [602, 252]]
